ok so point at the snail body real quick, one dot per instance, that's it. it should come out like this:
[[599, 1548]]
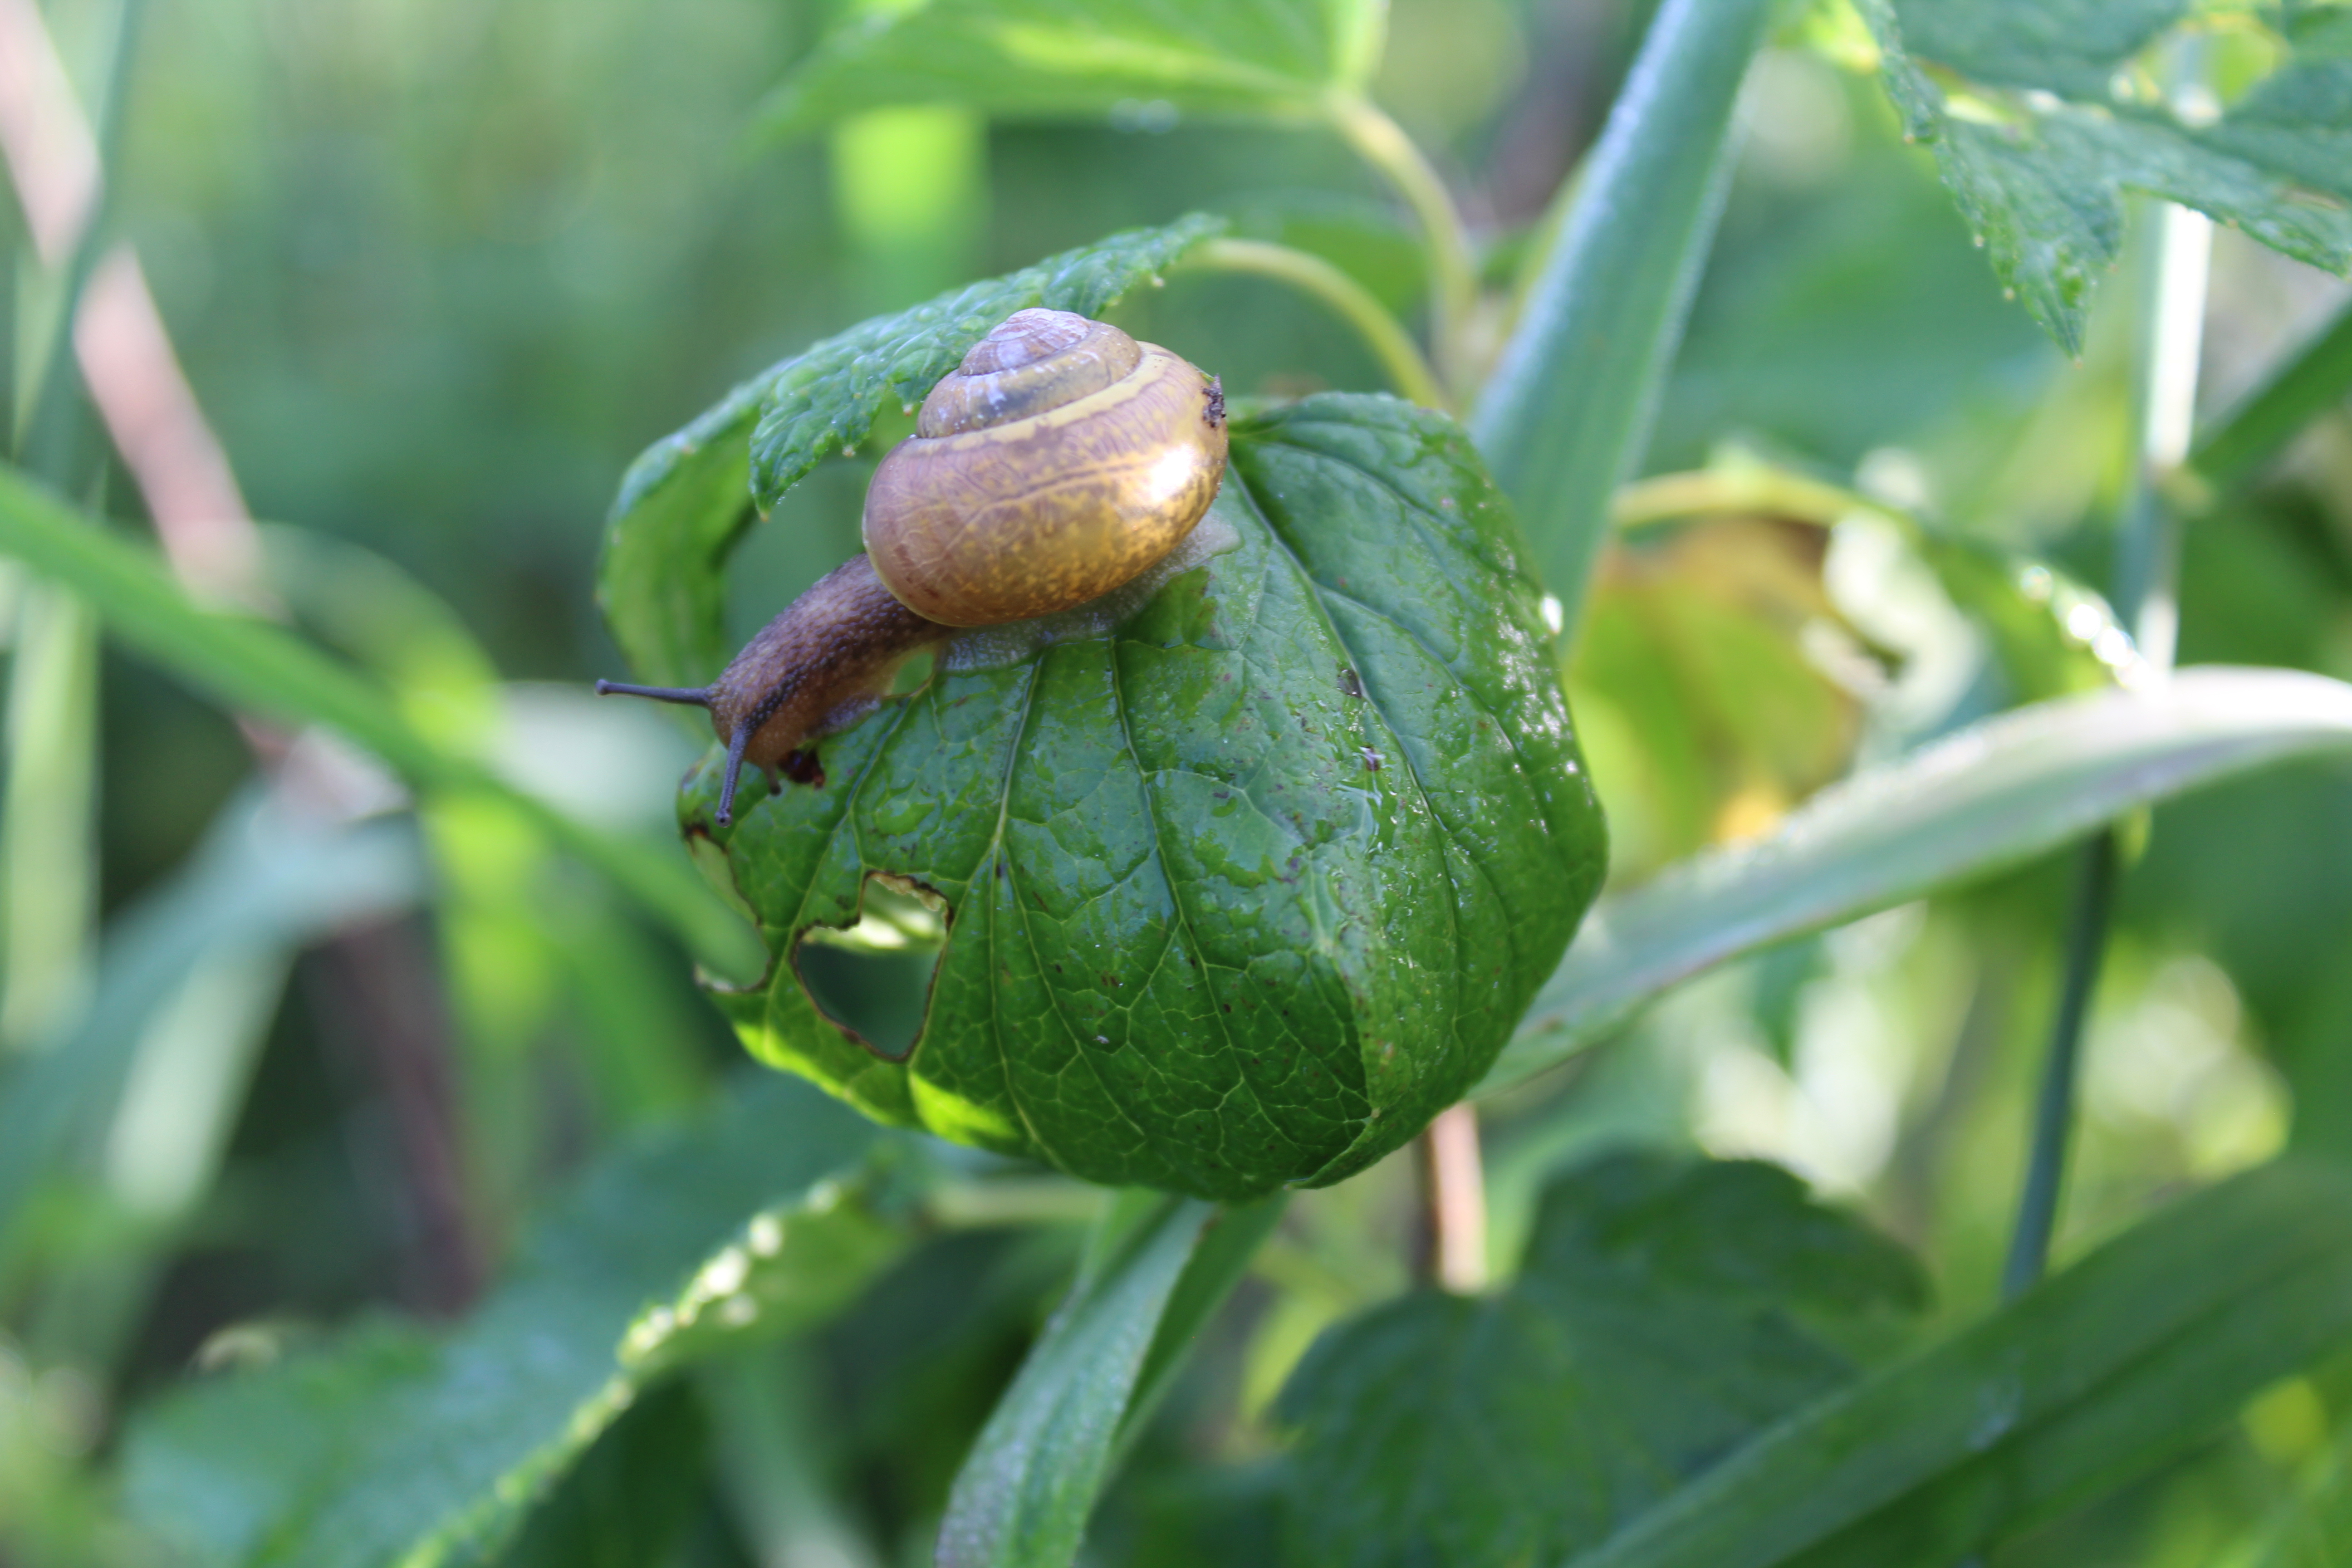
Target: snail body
[[1060, 460]]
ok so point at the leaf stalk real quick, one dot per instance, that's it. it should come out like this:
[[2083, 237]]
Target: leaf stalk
[[1409, 372]]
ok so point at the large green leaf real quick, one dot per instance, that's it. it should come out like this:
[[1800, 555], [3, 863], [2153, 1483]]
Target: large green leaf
[[397, 1447], [2040, 119], [686, 501], [1158, 1269], [1242, 888], [1978, 801], [261, 668], [2089, 1380], [1566, 414], [1668, 1309], [1056, 58]]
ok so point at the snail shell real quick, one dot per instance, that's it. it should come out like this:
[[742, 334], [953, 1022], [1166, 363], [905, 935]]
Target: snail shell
[[1059, 460]]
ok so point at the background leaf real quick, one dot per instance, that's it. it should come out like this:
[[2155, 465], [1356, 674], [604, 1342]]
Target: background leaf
[[2095, 1376], [2061, 124], [684, 504], [1052, 58], [394, 1446], [1977, 801], [1241, 888], [1666, 1310]]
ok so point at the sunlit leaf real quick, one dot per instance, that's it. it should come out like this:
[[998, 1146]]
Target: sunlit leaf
[[262, 669], [1243, 883], [1566, 414], [1161, 1266]]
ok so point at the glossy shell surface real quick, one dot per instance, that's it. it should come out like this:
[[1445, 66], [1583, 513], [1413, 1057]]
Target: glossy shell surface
[[1059, 460]]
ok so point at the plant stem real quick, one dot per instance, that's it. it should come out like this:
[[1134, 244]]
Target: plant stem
[[1454, 1199], [2054, 1106], [1407, 370], [1454, 274], [2177, 245]]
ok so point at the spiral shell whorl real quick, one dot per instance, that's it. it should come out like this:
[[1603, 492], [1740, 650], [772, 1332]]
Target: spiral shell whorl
[[1033, 361], [1059, 461]]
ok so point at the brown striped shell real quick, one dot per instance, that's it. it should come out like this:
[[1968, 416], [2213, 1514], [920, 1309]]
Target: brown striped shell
[[1061, 460]]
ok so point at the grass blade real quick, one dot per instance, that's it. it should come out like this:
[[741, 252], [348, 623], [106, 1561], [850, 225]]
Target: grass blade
[[254, 666], [1983, 799], [2103, 1371]]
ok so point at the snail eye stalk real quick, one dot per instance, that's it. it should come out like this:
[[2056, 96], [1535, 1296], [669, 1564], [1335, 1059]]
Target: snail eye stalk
[[695, 696]]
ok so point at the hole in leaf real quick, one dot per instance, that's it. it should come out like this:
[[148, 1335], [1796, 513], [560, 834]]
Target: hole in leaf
[[874, 978]]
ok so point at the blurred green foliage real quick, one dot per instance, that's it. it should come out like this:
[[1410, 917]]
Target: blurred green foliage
[[280, 1072]]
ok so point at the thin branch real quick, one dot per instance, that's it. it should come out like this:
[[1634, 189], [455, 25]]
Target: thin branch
[[1454, 271], [1407, 370], [1453, 1250], [2147, 564]]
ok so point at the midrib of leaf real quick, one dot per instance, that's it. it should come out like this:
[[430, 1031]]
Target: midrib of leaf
[[1160, 858]]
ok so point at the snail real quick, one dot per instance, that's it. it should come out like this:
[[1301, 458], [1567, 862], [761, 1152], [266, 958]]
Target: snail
[[1060, 460]]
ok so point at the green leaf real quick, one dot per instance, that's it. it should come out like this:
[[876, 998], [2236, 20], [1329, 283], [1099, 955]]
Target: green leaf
[[1567, 412], [1244, 883], [686, 501], [255, 667], [393, 1447], [2315, 379], [2091, 1379], [1978, 801], [1056, 59], [1158, 1268], [2040, 121], [630, 1498], [1666, 1310]]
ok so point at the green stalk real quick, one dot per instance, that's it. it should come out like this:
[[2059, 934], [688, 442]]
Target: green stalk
[[2177, 244], [1567, 412], [1383, 333], [1454, 273]]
